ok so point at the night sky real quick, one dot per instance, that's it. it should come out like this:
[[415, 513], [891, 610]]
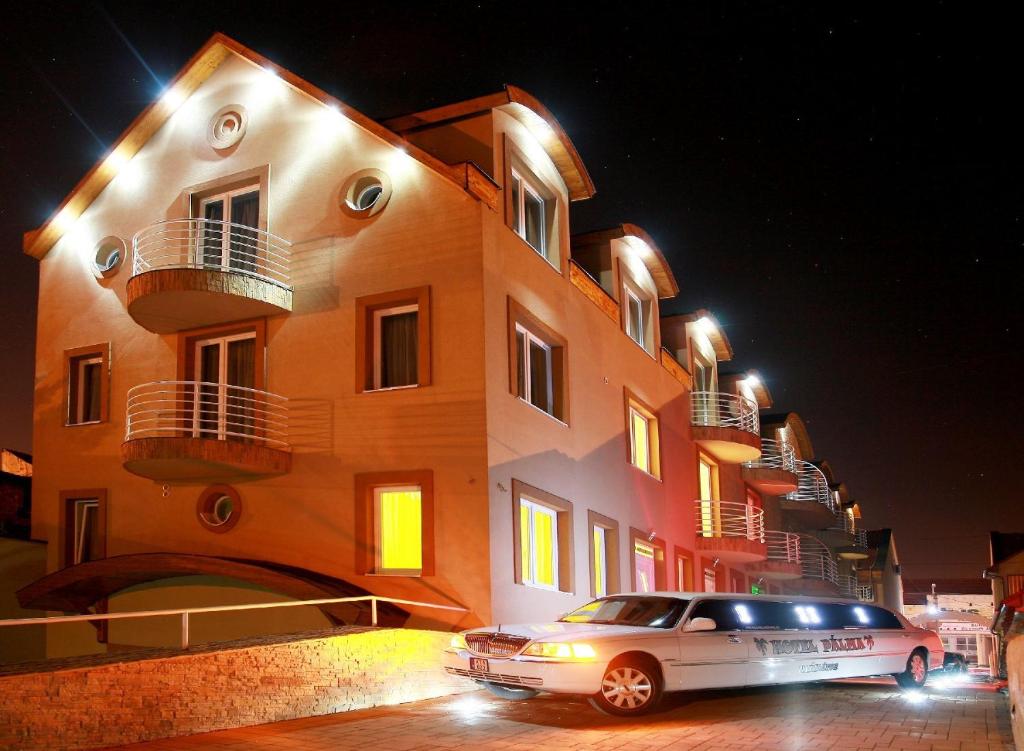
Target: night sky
[[841, 185]]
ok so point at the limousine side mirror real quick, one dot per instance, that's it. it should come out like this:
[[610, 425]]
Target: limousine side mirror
[[701, 624]]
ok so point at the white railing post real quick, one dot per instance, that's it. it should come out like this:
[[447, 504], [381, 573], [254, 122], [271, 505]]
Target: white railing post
[[373, 611], [184, 629]]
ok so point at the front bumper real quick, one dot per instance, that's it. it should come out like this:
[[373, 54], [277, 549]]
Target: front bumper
[[542, 675]]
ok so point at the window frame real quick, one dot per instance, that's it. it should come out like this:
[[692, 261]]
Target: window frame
[[526, 185], [529, 538], [660, 570], [633, 404], [378, 316], [647, 302], [367, 551], [378, 541], [68, 519], [367, 348], [610, 529], [682, 555], [519, 317], [565, 550], [555, 208], [526, 360], [74, 359]]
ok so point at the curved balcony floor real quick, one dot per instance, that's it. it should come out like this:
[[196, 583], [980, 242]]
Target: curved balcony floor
[[187, 460]]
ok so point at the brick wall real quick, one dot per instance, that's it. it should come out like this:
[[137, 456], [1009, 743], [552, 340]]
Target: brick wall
[[98, 701], [1015, 673]]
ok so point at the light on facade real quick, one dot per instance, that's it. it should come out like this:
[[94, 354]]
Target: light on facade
[[752, 380], [172, 98]]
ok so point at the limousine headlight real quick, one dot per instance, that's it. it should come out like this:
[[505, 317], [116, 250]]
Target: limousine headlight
[[459, 642], [561, 650]]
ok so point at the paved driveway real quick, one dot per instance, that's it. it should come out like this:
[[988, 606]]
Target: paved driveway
[[834, 716]]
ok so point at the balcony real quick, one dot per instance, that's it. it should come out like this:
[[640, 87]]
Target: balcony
[[727, 425], [774, 472], [812, 504], [188, 273], [850, 544], [188, 432], [782, 561], [733, 532], [847, 586], [865, 593], [819, 573]]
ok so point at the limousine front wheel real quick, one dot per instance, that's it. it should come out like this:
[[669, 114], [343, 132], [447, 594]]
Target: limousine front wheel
[[916, 673], [629, 687]]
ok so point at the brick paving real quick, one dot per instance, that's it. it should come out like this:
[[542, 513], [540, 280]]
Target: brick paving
[[838, 716]]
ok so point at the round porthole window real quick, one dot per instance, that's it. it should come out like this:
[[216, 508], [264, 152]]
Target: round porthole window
[[219, 508], [365, 193], [227, 126], [107, 257]]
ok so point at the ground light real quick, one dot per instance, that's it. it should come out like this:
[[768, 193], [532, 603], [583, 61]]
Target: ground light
[[915, 697], [470, 708]]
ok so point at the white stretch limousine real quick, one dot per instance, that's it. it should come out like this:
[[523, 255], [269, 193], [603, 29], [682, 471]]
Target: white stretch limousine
[[623, 651]]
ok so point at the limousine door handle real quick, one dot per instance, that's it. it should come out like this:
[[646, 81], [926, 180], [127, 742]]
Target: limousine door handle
[[735, 639]]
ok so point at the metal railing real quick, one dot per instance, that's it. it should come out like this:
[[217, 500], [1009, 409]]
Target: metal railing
[[816, 560], [713, 409], [812, 486], [783, 547], [206, 410], [774, 455], [186, 613], [212, 245], [847, 585], [852, 537], [729, 519], [865, 593]]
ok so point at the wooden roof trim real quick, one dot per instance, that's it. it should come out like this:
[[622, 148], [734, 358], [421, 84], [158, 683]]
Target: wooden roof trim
[[720, 342], [197, 70], [556, 144], [795, 423], [652, 257]]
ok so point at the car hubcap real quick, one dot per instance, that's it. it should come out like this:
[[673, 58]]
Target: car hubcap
[[917, 668], [626, 688]]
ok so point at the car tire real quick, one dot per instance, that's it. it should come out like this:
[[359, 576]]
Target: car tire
[[916, 673], [508, 692], [630, 686]]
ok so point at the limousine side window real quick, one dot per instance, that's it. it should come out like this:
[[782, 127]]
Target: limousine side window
[[755, 615], [742, 615]]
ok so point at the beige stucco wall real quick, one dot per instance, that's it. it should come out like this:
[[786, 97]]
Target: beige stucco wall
[[21, 562], [428, 234]]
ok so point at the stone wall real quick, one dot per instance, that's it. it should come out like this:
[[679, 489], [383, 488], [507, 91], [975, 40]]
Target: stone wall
[[112, 700]]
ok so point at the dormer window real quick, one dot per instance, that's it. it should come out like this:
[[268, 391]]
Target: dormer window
[[634, 317], [528, 219], [637, 315]]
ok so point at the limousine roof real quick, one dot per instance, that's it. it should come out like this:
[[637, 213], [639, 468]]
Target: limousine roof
[[741, 595]]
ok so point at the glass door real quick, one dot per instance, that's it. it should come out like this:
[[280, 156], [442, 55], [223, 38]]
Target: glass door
[[643, 558], [227, 236], [225, 405]]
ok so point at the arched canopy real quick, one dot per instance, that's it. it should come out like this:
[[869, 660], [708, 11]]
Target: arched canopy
[[794, 429], [78, 588], [643, 245]]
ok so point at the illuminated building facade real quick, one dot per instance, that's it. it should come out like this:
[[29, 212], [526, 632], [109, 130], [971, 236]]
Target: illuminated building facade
[[286, 351]]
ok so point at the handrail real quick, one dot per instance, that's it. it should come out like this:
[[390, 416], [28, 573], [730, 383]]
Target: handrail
[[729, 519], [720, 410], [213, 245], [783, 547], [186, 612], [202, 409], [774, 455], [847, 585], [812, 486], [816, 560], [865, 593]]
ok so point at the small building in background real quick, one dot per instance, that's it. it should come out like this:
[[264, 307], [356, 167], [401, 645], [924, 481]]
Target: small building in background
[[15, 494], [960, 610], [880, 581]]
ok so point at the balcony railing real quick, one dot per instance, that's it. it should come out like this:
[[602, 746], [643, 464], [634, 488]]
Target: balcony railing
[[184, 409], [865, 593], [812, 486], [713, 409], [783, 547], [214, 246], [847, 585], [774, 455], [816, 560], [729, 519]]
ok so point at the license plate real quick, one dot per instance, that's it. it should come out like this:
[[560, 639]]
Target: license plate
[[480, 664]]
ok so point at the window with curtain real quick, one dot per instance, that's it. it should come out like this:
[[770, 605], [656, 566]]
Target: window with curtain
[[538, 534], [396, 347], [399, 523], [227, 237]]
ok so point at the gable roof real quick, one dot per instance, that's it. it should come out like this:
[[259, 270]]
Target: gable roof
[[644, 246], [528, 110], [197, 70]]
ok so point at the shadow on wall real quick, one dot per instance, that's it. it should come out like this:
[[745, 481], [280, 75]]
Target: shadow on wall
[[311, 425], [313, 287]]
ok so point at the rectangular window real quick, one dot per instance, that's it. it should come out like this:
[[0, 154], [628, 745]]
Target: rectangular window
[[648, 565], [642, 432], [709, 580], [537, 362], [226, 230], [86, 384], [707, 482], [539, 537], [638, 318], [393, 340], [399, 522], [533, 209], [395, 347], [643, 561], [528, 213], [684, 571], [604, 554], [395, 523], [542, 538], [83, 526], [634, 318]]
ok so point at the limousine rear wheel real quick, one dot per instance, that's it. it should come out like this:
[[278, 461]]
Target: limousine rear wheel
[[630, 686], [916, 673]]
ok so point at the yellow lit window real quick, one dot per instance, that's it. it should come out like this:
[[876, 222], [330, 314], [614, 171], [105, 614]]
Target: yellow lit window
[[399, 530], [708, 485], [643, 559], [640, 440], [539, 544], [600, 563]]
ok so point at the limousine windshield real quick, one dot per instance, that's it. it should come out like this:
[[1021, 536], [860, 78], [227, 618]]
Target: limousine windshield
[[751, 614], [652, 612]]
